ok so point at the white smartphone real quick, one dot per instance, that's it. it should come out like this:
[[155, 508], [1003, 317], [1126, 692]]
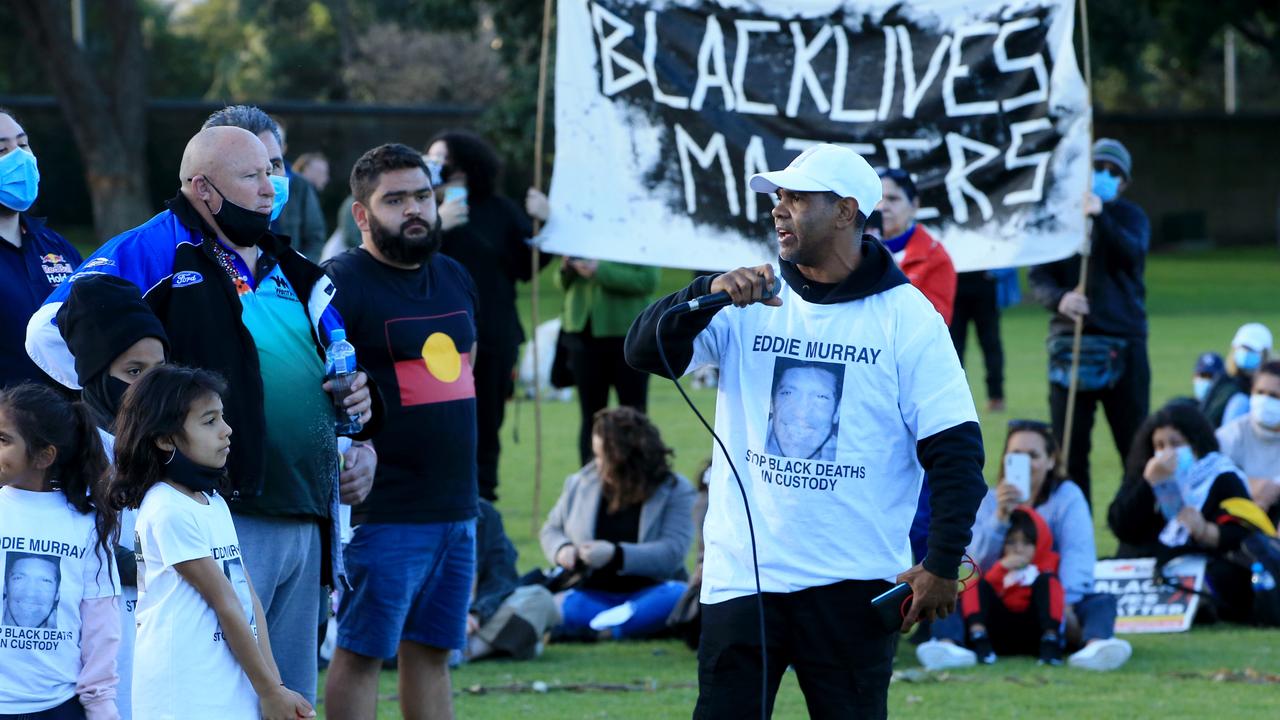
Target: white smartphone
[[1017, 472]]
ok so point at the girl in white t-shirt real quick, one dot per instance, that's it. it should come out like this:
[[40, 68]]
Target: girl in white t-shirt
[[59, 624], [202, 647]]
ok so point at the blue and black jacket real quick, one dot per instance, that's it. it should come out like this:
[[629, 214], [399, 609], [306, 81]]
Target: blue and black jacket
[[171, 259]]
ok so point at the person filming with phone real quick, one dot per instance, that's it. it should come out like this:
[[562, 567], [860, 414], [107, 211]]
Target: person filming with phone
[[489, 235], [1032, 474]]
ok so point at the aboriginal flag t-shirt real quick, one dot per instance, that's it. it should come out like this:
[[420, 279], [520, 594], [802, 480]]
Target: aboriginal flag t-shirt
[[414, 331]]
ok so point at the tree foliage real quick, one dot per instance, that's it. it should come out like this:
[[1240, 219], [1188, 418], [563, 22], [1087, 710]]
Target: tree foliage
[[1148, 55], [101, 89]]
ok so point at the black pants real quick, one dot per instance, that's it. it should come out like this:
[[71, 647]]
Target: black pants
[[598, 364], [493, 386], [1126, 405], [830, 635], [1016, 633], [69, 710], [976, 302]]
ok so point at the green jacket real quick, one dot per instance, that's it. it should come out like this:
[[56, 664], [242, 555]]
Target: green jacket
[[610, 300]]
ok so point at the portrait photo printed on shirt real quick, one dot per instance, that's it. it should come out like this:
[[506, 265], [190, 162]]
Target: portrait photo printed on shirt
[[803, 429], [804, 409], [31, 585], [233, 568]]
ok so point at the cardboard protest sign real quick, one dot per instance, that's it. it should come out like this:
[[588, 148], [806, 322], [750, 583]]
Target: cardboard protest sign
[[1145, 605]]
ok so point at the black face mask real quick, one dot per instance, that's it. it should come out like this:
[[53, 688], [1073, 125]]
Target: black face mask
[[103, 395], [242, 227], [182, 470], [401, 249]]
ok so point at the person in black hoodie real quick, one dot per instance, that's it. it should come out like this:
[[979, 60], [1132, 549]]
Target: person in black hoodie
[[826, 532], [489, 234], [1114, 369], [115, 339]]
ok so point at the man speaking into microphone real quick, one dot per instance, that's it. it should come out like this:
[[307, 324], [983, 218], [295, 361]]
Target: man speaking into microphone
[[845, 337]]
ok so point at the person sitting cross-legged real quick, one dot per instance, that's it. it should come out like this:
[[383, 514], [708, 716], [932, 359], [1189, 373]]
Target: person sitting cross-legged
[[627, 519], [1088, 617]]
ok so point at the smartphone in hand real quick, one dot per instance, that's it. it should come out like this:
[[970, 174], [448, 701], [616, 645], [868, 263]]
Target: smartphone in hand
[[891, 606], [1017, 472]]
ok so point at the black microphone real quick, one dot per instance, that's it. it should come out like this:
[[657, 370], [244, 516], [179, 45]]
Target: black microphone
[[717, 300]]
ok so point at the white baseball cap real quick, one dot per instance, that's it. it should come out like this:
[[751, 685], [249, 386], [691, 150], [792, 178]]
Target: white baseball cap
[[826, 168], [1254, 336]]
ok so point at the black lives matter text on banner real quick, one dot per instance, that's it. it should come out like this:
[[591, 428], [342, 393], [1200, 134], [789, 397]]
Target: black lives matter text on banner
[[1144, 605], [665, 109]]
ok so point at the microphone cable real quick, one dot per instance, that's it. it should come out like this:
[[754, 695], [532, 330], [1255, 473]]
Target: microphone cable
[[965, 583], [751, 530]]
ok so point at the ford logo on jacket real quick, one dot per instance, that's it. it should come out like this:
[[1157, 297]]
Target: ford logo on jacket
[[187, 277]]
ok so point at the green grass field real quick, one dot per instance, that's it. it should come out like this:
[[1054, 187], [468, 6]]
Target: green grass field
[[1196, 301]]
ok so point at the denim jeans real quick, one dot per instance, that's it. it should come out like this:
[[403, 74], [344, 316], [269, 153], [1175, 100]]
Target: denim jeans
[[651, 607]]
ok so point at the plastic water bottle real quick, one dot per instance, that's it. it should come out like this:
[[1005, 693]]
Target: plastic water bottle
[[1262, 579], [340, 369]]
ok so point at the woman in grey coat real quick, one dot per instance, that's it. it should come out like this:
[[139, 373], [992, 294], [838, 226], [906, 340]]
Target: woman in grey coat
[[625, 519]]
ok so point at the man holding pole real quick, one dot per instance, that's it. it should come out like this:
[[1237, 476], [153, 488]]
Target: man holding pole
[[1109, 301]]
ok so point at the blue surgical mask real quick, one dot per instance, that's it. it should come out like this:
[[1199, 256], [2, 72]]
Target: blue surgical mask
[[19, 179], [1200, 386], [1186, 458], [1246, 359], [281, 185], [1105, 185], [1265, 411]]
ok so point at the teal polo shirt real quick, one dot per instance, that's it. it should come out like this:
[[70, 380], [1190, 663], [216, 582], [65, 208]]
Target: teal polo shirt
[[301, 449]]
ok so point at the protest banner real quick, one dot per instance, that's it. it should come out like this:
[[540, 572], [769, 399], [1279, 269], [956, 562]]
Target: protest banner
[[664, 109], [1144, 605]]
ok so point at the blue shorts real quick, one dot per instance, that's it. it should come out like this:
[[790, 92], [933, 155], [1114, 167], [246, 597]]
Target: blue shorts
[[409, 582]]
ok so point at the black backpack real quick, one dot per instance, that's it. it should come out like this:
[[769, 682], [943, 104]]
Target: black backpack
[[1261, 546], [1264, 550]]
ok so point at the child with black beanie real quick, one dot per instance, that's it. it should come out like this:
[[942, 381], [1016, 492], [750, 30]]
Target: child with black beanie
[[116, 339]]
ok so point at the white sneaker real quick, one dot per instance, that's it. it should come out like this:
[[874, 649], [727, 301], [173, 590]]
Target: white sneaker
[[1102, 655], [613, 617], [938, 655]]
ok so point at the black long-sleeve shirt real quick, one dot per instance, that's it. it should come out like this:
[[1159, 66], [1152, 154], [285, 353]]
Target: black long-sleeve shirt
[[1116, 289]]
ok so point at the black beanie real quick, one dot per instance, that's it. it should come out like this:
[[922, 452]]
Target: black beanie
[[102, 317]]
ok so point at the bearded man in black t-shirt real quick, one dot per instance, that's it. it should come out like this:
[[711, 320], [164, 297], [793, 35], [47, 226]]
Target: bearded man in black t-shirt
[[410, 313]]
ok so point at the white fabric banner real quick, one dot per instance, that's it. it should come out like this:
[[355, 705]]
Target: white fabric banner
[[665, 108]]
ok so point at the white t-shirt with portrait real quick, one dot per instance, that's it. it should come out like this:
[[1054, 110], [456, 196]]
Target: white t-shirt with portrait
[[183, 667], [49, 562], [833, 480]]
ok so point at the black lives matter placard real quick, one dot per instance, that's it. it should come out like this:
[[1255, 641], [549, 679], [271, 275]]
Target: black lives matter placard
[[1145, 605], [665, 109]]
